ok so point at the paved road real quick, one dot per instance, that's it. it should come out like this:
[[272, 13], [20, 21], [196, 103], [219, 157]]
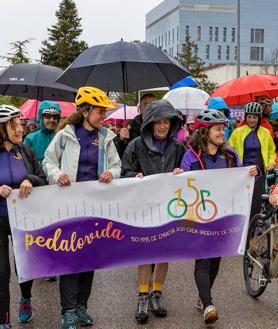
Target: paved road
[[113, 301]]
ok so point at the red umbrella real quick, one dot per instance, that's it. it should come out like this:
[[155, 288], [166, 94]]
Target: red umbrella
[[28, 108], [245, 89]]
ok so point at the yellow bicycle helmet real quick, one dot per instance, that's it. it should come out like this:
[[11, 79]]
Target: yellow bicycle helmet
[[94, 97]]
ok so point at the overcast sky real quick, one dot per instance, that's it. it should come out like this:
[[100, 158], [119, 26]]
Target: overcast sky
[[103, 21]]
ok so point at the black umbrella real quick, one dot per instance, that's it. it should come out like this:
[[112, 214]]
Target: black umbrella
[[35, 81], [124, 67]]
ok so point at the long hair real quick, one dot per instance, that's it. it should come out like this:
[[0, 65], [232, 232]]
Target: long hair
[[75, 118], [199, 141], [3, 135]]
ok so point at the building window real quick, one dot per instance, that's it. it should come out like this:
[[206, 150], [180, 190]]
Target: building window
[[262, 53], [235, 53], [252, 38], [169, 38], [233, 34], [219, 52], [228, 53], [162, 41], [207, 51], [216, 34], [210, 33], [187, 32], [165, 39], [177, 49], [173, 36], [257, 53], [196, 51], [257, 36], [224, 34], [198, 33], [177, 33]]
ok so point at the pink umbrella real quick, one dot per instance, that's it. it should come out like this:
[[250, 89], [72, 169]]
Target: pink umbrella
[[28, 108], [131, 112]]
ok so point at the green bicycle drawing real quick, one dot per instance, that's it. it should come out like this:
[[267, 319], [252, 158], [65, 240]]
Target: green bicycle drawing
[[205, 209]]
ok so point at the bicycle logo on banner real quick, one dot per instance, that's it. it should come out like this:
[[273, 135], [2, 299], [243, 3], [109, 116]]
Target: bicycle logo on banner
[[205, 209]]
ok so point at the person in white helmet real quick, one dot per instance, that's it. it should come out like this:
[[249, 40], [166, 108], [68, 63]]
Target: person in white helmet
[[20, 169]]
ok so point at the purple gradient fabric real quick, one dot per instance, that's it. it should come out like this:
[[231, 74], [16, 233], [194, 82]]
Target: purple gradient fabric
[[113, 244]]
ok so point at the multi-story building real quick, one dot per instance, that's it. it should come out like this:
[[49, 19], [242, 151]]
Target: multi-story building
[[212, 25]]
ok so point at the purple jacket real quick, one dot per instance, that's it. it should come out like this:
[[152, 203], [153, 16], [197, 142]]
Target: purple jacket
[[200, 161]]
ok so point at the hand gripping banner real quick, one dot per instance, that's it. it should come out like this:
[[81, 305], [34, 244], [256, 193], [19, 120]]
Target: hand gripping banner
[[131, 221]]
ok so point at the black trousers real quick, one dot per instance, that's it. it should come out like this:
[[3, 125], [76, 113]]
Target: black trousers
[[5, 273], [205, 273], [75, 289], [259, 189]]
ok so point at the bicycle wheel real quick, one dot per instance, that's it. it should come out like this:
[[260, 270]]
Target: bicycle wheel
[[258, 249], [175, 210]]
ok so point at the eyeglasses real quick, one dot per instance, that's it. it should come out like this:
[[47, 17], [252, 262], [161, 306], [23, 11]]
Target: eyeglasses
[[53, 116]]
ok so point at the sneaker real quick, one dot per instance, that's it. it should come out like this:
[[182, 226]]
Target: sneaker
[[155, 305], [84, 318], [25, 310], [5, 326], [199, 304], [69, 320], [210, 314], [142, 315]]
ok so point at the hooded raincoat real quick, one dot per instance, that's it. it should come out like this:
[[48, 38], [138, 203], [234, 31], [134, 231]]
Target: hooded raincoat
[[41, 138], [142, 155]]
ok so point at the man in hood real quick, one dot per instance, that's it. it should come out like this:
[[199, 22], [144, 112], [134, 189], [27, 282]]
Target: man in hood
[[49, 115], [218, 103]]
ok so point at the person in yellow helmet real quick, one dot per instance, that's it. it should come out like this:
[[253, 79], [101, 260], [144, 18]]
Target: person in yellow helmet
[[82, 150]]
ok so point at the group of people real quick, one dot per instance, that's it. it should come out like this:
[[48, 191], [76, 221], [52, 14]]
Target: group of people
[[81, 149]]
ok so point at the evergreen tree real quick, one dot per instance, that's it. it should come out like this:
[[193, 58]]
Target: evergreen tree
[[189, 59], [18, 52], [63, 45]]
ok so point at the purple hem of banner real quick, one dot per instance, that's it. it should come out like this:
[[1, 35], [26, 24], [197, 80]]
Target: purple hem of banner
[[108, 243]]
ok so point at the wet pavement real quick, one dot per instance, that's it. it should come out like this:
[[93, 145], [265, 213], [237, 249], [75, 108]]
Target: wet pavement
[[113, 301]]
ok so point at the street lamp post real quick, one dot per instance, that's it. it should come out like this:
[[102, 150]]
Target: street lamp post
[[238, 38]]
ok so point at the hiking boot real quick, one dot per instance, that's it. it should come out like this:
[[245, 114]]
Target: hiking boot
[[142, 315], [25, 310], [5, 326], [84, 318], [155, 305], [210, 314], [69, 320], [199, 304]]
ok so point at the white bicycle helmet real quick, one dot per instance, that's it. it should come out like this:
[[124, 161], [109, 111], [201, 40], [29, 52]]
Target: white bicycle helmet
[[8, 112]]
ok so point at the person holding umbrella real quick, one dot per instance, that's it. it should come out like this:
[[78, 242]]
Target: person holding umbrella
[[20, 169], [138, 120], [254, 145], [82, 150], [155, 151], [49, 115]]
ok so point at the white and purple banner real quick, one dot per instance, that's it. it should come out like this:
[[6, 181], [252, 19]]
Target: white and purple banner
[[131, 221]]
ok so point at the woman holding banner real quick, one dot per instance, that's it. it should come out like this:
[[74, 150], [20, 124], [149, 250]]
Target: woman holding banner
[[20, 169], [83, 150], [207, 150], [155, 151]]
